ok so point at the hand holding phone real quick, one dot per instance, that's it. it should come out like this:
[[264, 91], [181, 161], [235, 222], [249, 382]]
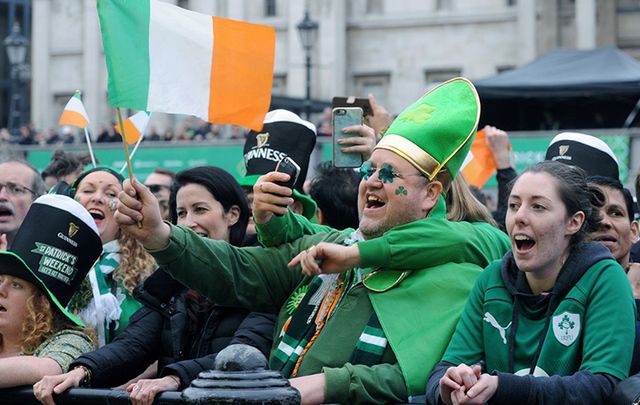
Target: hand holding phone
[[343, 117], [290, 167]]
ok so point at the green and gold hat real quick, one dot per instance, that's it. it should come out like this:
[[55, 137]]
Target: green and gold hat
[[435, 133]]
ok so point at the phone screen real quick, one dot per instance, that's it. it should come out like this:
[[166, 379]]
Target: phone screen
[[343, 117]]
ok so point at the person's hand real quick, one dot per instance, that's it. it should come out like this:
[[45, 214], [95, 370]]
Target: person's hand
[[327, 258], [498, 142], [311, 388], [481, 392], [380, 119], [44, 389], [270, 198], [633, 274], [456, 381], [144, 392], [3, 242], [363, 142], [138, 214]]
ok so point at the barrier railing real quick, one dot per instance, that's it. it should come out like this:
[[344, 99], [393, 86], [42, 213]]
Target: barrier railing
[[85, 396]]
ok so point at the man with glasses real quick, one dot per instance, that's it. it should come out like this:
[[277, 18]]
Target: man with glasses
[[160, 182], [371, 331], [20, 184]]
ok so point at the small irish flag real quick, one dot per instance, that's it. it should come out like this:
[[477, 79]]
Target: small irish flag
[[164, 58], [74, 113], [479, 165], [134, 126]]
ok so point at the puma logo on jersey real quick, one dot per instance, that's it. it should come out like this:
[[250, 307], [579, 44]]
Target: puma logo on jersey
[[503, 330]]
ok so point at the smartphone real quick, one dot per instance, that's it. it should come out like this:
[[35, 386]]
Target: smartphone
[[352, 101], [289, 166], [342, 117]]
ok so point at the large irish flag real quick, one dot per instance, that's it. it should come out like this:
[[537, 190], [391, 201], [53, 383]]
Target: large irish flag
[[164, 58]]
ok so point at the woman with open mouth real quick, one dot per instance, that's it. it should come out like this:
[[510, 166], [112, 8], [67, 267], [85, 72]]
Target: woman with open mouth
[[176, 326], [554, 306], [52, 252], [106, 300]]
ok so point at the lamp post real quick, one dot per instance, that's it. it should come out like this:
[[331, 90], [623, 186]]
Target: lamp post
[[16, 45], [308, 30]]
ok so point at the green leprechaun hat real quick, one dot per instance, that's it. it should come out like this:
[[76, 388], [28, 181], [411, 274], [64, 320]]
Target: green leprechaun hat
[[435, 133], [54, 249]]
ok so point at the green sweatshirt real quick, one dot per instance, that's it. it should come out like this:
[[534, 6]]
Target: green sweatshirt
[[257, 278]]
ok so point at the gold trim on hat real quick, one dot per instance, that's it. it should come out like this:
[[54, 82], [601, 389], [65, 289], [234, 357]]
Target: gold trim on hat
[[417, 156]]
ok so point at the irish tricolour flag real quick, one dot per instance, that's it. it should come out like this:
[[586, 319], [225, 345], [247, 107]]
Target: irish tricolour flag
[[164, 58], [74, 113], [134, 126]]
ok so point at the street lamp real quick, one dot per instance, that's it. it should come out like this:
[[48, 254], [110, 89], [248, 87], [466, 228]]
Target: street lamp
[[16, 45], [308, 30]]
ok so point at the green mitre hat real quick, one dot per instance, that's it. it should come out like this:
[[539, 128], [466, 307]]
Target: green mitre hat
[[435, 133]]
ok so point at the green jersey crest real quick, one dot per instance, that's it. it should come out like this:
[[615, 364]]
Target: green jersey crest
[[566, 327]]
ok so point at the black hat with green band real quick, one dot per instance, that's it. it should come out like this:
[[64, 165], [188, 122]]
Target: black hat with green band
[[54, 249], [283, 134]]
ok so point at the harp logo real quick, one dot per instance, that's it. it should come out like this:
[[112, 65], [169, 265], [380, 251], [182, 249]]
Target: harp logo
[[262, 139]]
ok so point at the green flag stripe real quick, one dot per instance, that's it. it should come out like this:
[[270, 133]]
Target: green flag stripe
[[125, 36]]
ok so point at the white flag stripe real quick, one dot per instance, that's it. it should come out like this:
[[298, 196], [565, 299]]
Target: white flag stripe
[[140, 120], [76, 105], [467, 160], [179, 41]]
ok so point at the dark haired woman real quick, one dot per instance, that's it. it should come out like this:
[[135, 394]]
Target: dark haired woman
[[176, 326], [553, 321]]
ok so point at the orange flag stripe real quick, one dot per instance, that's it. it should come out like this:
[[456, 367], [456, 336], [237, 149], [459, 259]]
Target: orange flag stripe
[[73, 118], [242, 67]]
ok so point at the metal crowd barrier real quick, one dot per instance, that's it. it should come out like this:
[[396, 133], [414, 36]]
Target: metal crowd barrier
[[85, 396]]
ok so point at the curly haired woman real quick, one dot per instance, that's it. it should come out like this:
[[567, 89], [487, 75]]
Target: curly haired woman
[[122, 265], [38, 275]]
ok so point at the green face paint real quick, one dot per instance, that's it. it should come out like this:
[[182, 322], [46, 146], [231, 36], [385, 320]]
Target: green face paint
[[385, 173], [401, 191]]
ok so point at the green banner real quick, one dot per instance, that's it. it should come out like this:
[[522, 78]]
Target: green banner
[[172, 157], [526, 152]]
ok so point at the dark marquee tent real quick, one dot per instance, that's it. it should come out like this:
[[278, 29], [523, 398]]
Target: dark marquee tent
[[562, 89]]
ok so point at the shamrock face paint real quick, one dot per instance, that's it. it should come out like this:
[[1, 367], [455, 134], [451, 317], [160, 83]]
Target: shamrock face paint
[[402, 191], [385, 174]]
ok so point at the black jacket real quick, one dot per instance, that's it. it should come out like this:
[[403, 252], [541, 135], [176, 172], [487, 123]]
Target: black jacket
[[158, 331]]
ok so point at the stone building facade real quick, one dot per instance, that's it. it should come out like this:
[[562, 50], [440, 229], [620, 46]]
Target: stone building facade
[[392, 49]]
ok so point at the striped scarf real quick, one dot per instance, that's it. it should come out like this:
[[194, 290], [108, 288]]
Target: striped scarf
[[307, 319], [104, 308]]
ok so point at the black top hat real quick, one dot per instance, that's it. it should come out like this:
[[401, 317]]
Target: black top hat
[[587, 152], [284, 134], [54, 249]]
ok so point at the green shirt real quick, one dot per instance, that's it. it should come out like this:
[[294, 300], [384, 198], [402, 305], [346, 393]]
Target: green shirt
[[592, 329], [64, 347]]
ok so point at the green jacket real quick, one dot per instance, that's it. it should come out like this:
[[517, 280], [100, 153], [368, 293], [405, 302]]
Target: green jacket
[[257, 278]]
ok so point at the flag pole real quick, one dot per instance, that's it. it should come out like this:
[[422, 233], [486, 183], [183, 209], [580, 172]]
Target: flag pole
[[88, 138], [126, 152], [124, 144]]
